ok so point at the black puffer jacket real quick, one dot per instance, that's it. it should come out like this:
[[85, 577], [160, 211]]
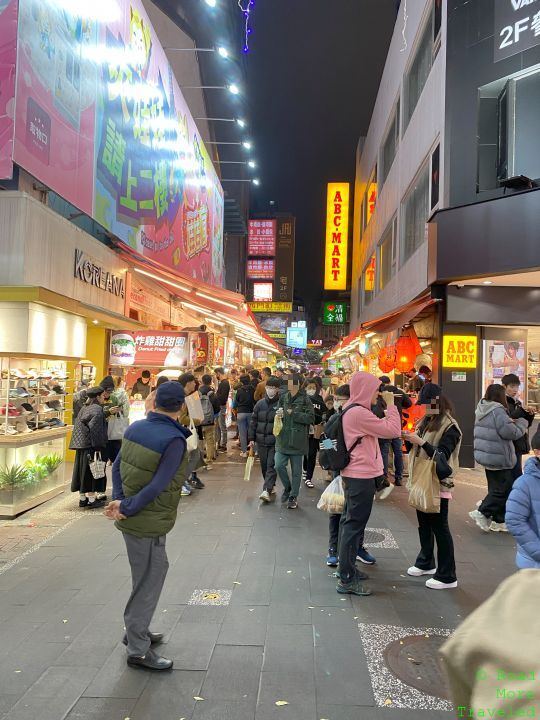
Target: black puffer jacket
[[319, 407], [244, 402], [261, 425], [90, 429], [516, 410]]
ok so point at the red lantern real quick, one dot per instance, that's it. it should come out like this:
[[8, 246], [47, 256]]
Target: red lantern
[[387, 358], [406, 350]]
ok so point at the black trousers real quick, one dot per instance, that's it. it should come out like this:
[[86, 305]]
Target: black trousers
[[266, 456], [359, 494], [333, 526], [499, 486], [310, 460], [434, 527], [517, 470]]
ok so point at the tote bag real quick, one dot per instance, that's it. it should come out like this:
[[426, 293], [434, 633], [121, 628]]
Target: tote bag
[[97, 466], [117, 426], [424, 490]]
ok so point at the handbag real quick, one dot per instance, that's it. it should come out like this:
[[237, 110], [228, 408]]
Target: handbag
[[97, 466], [117, 426], [424, 486], [318, 431], [192, 443], [443, 469], [249, 466]]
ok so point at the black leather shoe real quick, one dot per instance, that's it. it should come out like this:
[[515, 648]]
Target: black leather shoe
[[151, 661], [155, 638]]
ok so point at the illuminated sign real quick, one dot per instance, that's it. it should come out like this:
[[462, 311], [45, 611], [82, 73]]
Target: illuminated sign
[[460, 351], [261, 269], [262, 237], [262, 293], [297, 337], [270, 307], [371, 200], [334, 313], [337, 236], [369, 275]]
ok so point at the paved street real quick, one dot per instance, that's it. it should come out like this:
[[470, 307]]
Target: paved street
[[251, 615]]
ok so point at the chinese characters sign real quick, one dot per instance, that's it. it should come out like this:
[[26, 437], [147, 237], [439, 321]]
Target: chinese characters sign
[[460, 351], [337, 237], [285, 246], [101, 120], [271, 307], [334, 313], [262, 238], [159, 348], [8, 54], [261, 269], [517, 27], [263, 293], [369, 275]]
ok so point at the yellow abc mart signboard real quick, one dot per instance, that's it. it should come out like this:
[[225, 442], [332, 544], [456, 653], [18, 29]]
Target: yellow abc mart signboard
[[460, 351], [337, 237], [271, 307]]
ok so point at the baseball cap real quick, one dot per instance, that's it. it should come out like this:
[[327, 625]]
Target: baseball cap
[[170, 396]]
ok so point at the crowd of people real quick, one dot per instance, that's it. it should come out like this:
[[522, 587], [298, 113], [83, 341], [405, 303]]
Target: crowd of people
[[290, 420]]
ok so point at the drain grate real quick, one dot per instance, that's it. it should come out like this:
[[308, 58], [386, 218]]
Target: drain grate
[[415, 661], [373, 537]]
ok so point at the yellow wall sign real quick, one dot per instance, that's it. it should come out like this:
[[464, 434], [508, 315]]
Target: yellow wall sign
[[271, 307], [337, 237], [460, 351]]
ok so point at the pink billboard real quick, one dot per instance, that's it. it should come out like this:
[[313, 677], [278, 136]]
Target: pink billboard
[[100, 120], [8, 54]]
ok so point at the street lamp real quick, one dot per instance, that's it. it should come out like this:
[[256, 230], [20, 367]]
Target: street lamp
[[233, 89], [241, 123], [220, 49], [247, 145], [252, 164], [212, 3]]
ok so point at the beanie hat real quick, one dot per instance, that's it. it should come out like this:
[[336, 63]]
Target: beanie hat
[[170, 396], [107, 383]]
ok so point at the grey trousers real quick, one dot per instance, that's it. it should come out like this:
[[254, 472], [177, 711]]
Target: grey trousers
[[149, 565]]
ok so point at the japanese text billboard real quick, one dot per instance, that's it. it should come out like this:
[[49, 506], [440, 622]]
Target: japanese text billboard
[[8, 55], [101, 120], [262, 237], [153, 348], [337, 237]]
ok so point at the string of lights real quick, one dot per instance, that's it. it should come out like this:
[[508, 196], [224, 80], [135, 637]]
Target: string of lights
[[246, 8]]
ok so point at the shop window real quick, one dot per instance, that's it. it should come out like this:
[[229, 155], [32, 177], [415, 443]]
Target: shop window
[[390, 145], [388, 255], [422, 63], [368, 280], [414, 215]]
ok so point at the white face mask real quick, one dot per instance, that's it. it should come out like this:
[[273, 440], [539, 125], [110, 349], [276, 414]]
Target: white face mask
[[338, 404], [311, 393], [271, 392]]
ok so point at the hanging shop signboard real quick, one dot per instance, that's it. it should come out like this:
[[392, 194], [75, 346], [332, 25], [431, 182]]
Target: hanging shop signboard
[[262, 238], [334, 313], [460, 351], [270, 307], [152, 348], [261, 269], [285, 246], [517, 27], [101, 120], [337, 237]]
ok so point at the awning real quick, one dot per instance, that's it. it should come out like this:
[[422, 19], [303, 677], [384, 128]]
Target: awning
[[215, 304]]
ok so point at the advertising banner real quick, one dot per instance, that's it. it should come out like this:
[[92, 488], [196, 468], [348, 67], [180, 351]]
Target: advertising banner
[[274, 323], [100, 120], [152, 348], [517, 27], [261, 269], [501, 357], [337, 237], [271, 307], [334, 313], [262, 237], [285, 245], [8, 56]]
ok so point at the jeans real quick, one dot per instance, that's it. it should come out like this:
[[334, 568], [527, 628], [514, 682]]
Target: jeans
[[310, 460], [431, 527], [222, 424], [292, 485], [385, 445], [267, 458], [499, 486], [359, 494], [242, 420]]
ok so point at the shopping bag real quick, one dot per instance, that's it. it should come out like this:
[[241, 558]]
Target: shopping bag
[[333, 498], [117, 426], [318, 431], [424, 487], [194, 406], [278, 425], [249, 466], [97, 466], [192, 442]]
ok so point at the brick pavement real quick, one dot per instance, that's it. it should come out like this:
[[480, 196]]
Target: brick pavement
[[250, 611]]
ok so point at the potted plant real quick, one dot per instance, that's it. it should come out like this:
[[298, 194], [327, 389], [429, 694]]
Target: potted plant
[[12, 478]]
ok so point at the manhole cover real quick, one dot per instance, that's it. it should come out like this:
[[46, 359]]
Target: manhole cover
[[373, 537], [211, 596], [415, 661]]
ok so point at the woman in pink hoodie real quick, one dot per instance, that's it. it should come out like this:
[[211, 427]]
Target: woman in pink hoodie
[[362, 427]]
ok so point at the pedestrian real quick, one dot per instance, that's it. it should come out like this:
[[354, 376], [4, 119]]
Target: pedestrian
[[261, 432], [523, 511], [206, 390], [330, 409], [116, 409], [147, 479], [511, 384], [89, 437], [259, 390], [150, 402], [327, 379], [188, 382], [437, 433], [361, 430], [223, 392], [402, 401], [254, 378], [142, 385], [310, 458], [244, 404], [297, 413], [494, 435]]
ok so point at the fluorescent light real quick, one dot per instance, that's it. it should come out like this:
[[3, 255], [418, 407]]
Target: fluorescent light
[[215, 322], [217, 300], [241, 123], [370, 335], [160, 279], [194, 307], [487, 282], [234, 89], [96, 322], [223, 52], [247, 145]]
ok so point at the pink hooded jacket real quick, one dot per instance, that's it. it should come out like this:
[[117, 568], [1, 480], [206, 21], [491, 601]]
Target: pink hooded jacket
[[366, 461]]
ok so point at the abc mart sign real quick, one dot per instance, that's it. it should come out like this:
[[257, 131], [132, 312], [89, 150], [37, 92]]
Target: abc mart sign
[[517, 27]]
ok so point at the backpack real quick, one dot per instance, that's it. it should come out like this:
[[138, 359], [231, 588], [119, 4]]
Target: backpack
[[208, 410], [338, 456]]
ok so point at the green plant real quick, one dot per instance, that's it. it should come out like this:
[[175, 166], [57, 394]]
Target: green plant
[[15, 476], [50, 461], [37, 470]]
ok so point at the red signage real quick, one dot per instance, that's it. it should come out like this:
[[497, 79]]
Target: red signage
[[262, 237], [261, 269], [152, 348]]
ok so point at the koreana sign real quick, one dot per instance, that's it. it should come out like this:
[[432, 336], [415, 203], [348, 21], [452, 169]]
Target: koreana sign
[[517, 27], [460, 351], [334, 313], [157, 348], [337, 237], [92, 273]]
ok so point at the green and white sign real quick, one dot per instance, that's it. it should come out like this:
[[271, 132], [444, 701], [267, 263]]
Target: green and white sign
[[334, 313]]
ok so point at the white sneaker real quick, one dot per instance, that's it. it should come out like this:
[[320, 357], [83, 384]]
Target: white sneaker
[[385, 492], [243, 454], [498, 527], [480, 519], [265, 496], [417, 572], [438, 585], [478, 504]]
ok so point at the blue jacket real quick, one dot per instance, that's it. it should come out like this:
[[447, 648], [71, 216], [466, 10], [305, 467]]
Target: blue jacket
[[523, 515]]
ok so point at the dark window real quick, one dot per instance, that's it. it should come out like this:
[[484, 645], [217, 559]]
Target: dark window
[[390, 146], [437, 19], [435, 173], [502, 151], [419, 72]]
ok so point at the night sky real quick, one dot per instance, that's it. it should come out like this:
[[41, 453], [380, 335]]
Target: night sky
[[313, 74]]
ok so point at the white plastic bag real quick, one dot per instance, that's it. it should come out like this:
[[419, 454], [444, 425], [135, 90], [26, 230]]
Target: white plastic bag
[[333, 498], [117, 426], [192, 442]]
